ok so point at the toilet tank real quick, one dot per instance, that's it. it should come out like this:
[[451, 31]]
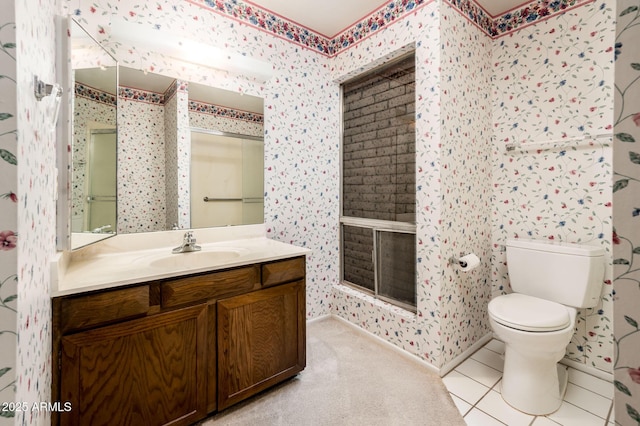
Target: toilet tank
[[566, 273]]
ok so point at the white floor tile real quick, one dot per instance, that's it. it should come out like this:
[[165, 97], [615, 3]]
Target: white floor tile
[[588, 401], [570, 415], [479, 372], [543, 421], [463, 406], [496, 346], [495, 406], [594, 384], [463, 387], [478, 418], [489, 358]]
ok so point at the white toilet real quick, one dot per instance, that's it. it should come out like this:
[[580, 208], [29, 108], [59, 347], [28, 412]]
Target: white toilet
[[536, 322]]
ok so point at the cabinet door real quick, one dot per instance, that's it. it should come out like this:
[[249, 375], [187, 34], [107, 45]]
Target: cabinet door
[[261, 340], [150, 371]]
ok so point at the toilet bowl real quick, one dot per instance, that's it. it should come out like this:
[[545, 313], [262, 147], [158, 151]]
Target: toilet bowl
[[532, 380], [536, 322]]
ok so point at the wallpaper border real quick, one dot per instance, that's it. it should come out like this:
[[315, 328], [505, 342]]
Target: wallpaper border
[[274, 24]]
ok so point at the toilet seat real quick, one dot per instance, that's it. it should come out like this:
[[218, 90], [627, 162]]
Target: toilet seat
[[528, 313]]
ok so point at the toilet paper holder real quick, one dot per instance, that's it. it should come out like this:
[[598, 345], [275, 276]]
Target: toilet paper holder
[[458, 261], [461, 261]]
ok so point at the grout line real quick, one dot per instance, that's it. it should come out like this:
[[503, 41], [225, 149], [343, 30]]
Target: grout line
[[585, 410], [468, 411], [490, 387], [606, 422], [495, 418], [489, 349], [475, 405], [501, 355], [590, 390]]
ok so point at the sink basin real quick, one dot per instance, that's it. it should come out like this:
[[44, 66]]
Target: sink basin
[[197, 259]]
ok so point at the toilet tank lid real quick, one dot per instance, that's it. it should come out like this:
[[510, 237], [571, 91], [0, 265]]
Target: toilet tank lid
[[556, 247]]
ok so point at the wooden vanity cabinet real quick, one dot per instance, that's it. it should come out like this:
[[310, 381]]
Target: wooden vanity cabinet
[[141, 372], [171, 351], [261, 341]]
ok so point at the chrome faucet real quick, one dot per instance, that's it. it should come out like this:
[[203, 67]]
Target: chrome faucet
[[188, 244], [101, 229]]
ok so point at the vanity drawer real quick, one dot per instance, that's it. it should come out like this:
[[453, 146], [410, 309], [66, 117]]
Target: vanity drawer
[[210, 286], [283, 271], [93, 309]]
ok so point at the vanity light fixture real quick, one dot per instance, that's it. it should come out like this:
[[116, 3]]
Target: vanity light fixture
[[187, 50], [42, 90]]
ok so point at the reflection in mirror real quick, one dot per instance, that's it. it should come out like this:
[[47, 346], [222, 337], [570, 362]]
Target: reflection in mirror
[[225, 188], [94, 140], [171, 156]]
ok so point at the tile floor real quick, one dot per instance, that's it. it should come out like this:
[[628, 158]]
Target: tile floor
[[475, 388]]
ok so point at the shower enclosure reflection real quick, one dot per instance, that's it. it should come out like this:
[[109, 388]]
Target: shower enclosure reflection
[[225, 189], [100, 183]]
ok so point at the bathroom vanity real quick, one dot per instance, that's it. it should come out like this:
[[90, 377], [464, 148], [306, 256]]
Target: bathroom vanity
[[176, 346], [142, 336]]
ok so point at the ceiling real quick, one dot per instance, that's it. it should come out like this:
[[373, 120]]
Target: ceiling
[[330, 17]]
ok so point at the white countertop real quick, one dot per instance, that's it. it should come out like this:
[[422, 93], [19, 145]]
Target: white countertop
[[107, 265]]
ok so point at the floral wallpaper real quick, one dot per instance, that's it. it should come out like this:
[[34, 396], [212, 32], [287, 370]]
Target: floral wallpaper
[[453, 186], [141, 164], [204, 120], [381, 18], [36, 206], [465, 180], [453, 193], [300, 103], [224, 112], [418, 334], [553, 82], [91, 107], [291, 133], [524, 15], [626, 214], [302, 161], [8, 211]]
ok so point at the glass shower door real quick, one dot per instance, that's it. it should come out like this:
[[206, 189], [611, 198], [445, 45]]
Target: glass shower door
[[227, 179], [252, 181], [101, 182]]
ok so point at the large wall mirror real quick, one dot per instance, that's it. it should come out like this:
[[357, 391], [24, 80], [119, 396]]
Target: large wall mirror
[[91, 142], [190, 155], [151, 152]]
